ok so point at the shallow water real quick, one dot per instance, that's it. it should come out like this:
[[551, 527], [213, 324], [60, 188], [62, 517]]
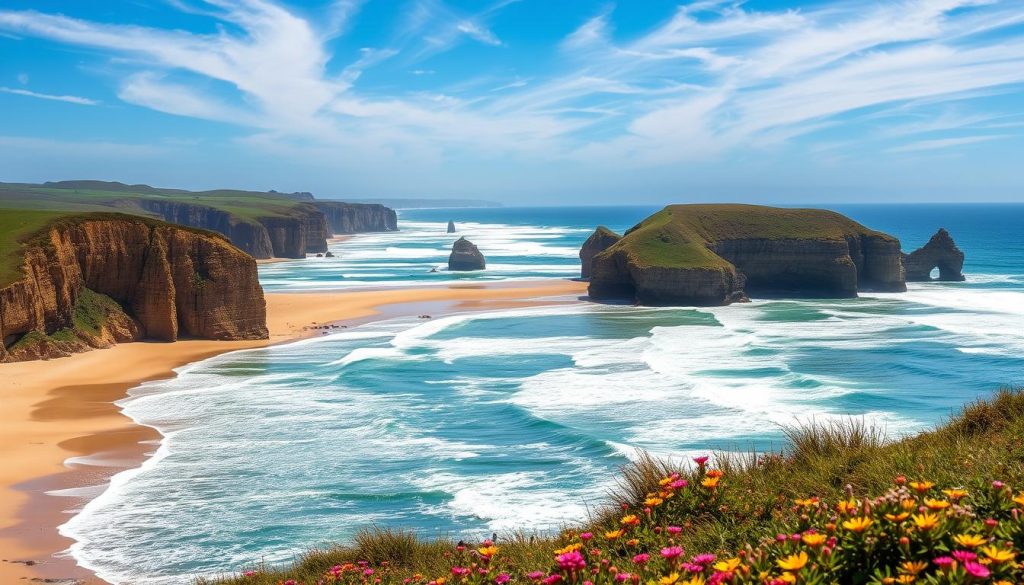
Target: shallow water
[[485, 422]]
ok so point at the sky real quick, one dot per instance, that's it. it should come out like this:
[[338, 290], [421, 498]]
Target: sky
[[522, 101]]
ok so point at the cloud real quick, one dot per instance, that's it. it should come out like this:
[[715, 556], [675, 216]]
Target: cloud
[[944, 143], [71, 99]]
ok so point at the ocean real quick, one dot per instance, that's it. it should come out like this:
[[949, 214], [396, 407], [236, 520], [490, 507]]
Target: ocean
[[475, 423]]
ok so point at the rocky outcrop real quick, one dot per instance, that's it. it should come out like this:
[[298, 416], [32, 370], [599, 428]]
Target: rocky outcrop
[[598, 242], [940, 252], [465, 256], [717, 254], [356, 218], [98, 279], [451, 227]]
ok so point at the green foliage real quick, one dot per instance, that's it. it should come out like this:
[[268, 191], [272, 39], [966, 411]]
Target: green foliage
[[931, 489]]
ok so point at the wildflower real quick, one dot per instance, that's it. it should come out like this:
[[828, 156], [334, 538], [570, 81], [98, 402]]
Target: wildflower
[[633, 542], [998, 485], [535, 575], [487, 551], [913, 567], [703, 559], [847, 506], [669, 579], [977, 570], [955, 494], [613, 534], [672, 552], [814, 540], [906, 579], [969, 540], [943, 562], [674, 529], [1019, 499], [727, 566], [921, 486], [908, 504], [897, 517], [715, 473], [858, 525], [586, 536], [964, 555], [933, 504], [692, 568], [805, 503], [502, 578], [998, 555], [679, 484], [630, 520], [623, 577], [653, 502], [925, 521], [569, 548], [572, 561], [552, 579], [695, 580], [710, 482], [793, 562], [458, 571], [701, 460], [641, 558]]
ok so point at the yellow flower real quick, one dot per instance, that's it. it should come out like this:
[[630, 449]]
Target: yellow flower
[[630, 520], [847, 507], [969, 540], [998, 555], [921, 486], [926, 521], [488, 551], [897, 517], [710, 482], [695, 580], [913, 567], [727, 566], [665, 481], [669, 579], [652, 502], [632, 542], [814, 539], [858, 524], [906, 579], [793, 562], [788, 577], [440, 580], [908, 504], [569, 548], [955, 494], [613, 534], [805, 503], [1019, 499], [936, 504]]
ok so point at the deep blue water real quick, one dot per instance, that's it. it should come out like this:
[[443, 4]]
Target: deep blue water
[[482, 422]]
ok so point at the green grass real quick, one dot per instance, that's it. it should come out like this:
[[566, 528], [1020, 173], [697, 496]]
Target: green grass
[[983, 442], [679, 236]]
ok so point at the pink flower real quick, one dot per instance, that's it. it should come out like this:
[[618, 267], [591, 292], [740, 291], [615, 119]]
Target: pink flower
[[671, 552], [964, 556], [502, 578], [586, 536], [367, 572], [641, 558], [674, 529], [780, 537], [460, 571], [701, 460], [290, 582], [679, 484], [249, 573], [693, 568], [572, 561], [976, 570], [703, 559], [536, 575], [943, 561], [622, 577], [552, 580], [998, 484]]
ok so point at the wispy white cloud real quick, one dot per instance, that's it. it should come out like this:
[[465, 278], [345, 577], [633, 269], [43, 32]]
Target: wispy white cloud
[[939, 143], [71, 99]]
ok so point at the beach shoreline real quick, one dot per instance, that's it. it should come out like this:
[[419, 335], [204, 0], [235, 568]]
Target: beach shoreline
[[62, 433]]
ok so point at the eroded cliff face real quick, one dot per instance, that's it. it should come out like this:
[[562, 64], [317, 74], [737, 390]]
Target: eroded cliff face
[[355, 218], [940, 252], [599, 241], [93, 282]]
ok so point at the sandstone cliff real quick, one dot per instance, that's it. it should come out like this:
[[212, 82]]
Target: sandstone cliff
[[355, 218], [96, 279], [940, 252], [716, 254], [598, 242]]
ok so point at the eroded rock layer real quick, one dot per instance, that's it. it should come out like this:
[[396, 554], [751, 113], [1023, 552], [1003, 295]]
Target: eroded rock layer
[[356, 218], [465, 256], [598, 242], [98, 279], [940, 252]]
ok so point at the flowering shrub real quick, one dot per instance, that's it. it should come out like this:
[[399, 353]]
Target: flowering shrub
[[916, 532]]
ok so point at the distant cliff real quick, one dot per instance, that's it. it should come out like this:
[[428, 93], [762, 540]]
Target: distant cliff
[[355, 218], [716, 254], [100, 278]]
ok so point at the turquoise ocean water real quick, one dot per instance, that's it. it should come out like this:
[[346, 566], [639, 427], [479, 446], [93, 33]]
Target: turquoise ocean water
[[481, 422]]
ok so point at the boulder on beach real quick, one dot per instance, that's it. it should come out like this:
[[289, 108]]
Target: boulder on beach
[[451, 227], [465, 256], [329, 255], [940, 252], [599, 241]]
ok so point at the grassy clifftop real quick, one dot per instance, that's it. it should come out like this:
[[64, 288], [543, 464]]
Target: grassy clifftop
[[839, 505], [679, 235]]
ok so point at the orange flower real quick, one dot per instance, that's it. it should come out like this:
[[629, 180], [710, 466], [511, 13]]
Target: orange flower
[[955, 494], [858, 525], [908, 504], [921, 486], [630, 520], [897, 517], [926, 521], [998, 555], [936, 504], [793, 562], [710, 482], [969, 540], [487, 551], [805, 503], [715, 473], [665, 481], [848, 506], [814, 539], [1019, 499], [613, 534], [727, 566], [913, 567], [653, 502]]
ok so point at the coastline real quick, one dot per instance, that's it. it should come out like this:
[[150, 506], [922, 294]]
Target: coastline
[[61, 430]]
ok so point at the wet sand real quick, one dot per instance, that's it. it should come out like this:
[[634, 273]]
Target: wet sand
[[61, 432]]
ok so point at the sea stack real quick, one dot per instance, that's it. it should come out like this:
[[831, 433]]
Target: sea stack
[[598, 242], [700, 255], [451, 227], [465, 256], [940, 252]]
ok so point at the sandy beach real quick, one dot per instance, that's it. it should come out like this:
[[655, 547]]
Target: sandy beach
[[60, 409]]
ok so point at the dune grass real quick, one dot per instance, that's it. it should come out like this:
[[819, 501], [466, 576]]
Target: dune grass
[[734, 505]]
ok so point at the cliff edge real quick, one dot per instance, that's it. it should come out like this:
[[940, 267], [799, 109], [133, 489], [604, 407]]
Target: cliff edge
[[90, 280], [715, 254]]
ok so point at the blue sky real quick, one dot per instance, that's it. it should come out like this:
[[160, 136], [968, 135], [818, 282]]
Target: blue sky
[[523, 101]]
